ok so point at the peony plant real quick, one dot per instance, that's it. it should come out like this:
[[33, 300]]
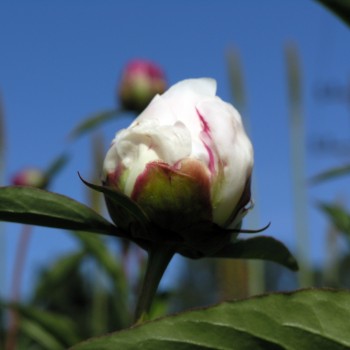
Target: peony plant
[[177, 180], [187, 162]]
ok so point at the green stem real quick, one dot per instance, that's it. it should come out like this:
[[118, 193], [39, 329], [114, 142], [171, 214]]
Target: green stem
[[22, 249], [158, 260]]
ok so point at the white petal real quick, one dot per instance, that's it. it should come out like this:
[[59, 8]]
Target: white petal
[[233, 148], [148, 141], [178, 105], [188, 120], [183, 97], [202, 87], [159, 111], [111, 161]]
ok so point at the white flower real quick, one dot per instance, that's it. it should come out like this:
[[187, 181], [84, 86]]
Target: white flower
[[189, 134]]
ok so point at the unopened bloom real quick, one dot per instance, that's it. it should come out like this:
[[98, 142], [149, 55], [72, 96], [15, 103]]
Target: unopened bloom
[[141, 81], [186, 161], [30, 177]]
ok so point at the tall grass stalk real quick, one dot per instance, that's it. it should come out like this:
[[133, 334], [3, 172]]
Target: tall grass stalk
[[297, 147]]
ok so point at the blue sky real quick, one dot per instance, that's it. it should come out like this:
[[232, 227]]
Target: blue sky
[[61, 61]]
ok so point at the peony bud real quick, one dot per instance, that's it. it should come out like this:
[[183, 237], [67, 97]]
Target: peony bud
[[141, 81], [30, 177], [187, 162]]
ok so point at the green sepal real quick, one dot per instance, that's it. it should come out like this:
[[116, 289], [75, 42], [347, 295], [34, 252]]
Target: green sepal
[[124, 212], [174, 199], [239, 229], [206, 238], [203, 239], [262, 248]]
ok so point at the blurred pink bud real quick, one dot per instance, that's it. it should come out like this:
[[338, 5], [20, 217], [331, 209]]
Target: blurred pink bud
[[30, 177], [141, 81]]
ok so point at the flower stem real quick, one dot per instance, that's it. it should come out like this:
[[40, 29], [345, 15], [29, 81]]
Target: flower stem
[[159, 258], [22, 249]]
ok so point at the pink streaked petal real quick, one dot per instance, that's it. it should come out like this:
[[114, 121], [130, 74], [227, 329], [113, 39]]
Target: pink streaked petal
[[234, 151], [206, 138], [112, 178]]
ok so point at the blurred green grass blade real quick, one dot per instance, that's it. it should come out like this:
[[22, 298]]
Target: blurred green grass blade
[[95, 246], [59, 328], [338, 216], [29, 205], [294, 82], [262, 248], [297, 147], [3, 248], [302, 320], [98, 153], [339, 7], [236, 80], [2, 141], [98, 250], [58, 274], [256, 275], [56, 166], [40, 335], [105, 263], [331, 174], [94, 121]]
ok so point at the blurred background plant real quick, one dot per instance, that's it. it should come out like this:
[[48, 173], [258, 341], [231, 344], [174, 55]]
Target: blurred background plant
[[86, 291]]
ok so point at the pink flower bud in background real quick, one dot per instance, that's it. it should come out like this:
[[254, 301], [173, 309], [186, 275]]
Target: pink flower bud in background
[[30, 177], [141, 81], [186, 161]]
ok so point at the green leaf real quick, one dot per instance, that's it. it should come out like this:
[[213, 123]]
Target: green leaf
[[97, 249], [338, 215], [262, 248], [40, 335], [28, 205], [307, 319], [340, 7], [331, 174], [93, 122]]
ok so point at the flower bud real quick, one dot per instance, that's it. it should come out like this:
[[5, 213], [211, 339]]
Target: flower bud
[[30, 177], [141, 81], [187, 162]]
